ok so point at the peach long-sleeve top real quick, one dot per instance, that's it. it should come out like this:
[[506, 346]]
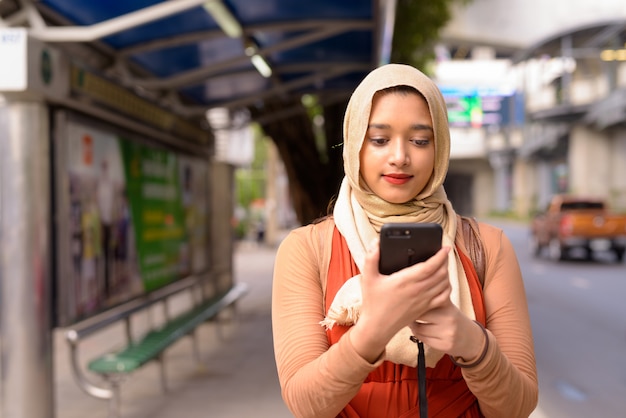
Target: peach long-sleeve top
[[319, 380]]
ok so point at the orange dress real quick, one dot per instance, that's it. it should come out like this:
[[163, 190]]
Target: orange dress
[[392, 389]]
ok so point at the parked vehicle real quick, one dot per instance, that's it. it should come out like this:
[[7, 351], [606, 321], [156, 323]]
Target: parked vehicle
[[578, 225]]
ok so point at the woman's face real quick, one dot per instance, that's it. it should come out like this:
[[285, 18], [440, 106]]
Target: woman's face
[[398, 154]]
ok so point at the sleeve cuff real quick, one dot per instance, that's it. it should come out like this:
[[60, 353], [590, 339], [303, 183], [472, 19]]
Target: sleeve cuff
[[351, 363]]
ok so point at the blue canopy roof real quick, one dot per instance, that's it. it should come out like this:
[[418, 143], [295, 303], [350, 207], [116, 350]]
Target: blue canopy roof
[[180, 50]]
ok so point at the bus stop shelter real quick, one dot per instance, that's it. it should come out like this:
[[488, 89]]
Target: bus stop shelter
[[92, 93]]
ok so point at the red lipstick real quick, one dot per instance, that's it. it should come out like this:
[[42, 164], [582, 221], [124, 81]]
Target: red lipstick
[[397, 179]]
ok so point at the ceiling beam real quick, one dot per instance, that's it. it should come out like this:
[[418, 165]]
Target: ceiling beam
[[197, 75], [115, 25], [310, 80], [607, 34], [249, 30]]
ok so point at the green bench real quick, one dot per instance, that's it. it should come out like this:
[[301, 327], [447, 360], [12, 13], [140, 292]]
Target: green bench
[[116, 366]]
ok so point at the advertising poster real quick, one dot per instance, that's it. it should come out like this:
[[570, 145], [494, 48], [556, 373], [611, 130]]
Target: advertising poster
[[138, 219]]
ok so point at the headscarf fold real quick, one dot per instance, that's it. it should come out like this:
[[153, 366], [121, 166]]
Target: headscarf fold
[[359, 213]]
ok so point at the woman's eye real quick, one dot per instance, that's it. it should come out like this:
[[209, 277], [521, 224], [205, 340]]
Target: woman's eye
[[378, 141], [421, 142]]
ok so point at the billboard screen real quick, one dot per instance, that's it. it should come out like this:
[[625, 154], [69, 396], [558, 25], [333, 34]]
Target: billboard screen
[[475, 108]]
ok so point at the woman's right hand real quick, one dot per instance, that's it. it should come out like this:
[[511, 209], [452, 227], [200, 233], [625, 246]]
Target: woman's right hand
[[392, 302]]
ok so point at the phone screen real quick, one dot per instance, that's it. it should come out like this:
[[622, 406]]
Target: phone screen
[[405, 244]]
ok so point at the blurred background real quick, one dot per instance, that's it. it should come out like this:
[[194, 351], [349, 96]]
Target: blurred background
[[153, 153]]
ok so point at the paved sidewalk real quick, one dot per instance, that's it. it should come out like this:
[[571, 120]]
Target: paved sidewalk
[[238, 377]]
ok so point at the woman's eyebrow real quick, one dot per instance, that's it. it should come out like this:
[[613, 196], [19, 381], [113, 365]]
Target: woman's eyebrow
[[421, 127], [416, 127], [378, 126]]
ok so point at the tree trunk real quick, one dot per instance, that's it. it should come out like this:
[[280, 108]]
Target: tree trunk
[[314, 175]]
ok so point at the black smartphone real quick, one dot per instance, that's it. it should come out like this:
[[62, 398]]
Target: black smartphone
[[405, 244]]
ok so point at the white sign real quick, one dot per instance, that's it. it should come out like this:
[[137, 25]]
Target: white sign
[[13, 68]]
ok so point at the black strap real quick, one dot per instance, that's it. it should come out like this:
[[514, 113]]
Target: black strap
[[421, 377]]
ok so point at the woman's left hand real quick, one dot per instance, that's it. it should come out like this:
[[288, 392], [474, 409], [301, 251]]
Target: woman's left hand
[[449, 330]]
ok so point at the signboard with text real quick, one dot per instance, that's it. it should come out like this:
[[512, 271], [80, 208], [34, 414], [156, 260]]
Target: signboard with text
[[476, 108]]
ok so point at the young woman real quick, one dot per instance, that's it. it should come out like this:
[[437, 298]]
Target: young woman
[[342, 330]]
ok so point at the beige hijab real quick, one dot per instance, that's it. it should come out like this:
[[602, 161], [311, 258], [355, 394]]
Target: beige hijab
[[359, 213]]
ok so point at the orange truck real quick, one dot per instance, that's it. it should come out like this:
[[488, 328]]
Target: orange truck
[[576, 225]]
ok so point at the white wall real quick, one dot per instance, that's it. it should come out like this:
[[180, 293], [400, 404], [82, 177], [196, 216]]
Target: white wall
[[467, 143]]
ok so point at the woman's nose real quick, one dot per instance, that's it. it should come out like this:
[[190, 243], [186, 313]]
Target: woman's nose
[[398, 153]]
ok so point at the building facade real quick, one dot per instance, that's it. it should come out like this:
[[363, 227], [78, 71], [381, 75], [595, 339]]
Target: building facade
[[561, 96]]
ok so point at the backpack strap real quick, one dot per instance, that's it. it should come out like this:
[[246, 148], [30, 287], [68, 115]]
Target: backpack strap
[[474, 246]]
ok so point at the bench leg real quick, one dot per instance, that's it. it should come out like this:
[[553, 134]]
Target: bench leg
[[161, 361], [115, 403], [223, 321], [219, 328], [196, 347]]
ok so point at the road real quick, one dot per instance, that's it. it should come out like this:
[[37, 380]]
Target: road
[[578, 314]]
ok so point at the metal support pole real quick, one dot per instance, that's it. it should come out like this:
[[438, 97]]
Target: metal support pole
[[271, 195], [566, 79], [501, 163], [25, 280]]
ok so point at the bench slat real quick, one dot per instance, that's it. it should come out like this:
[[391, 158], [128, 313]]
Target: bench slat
[[153, 343]]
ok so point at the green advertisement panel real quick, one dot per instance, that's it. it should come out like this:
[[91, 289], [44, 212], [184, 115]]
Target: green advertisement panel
[[136, 219], [156, 205]]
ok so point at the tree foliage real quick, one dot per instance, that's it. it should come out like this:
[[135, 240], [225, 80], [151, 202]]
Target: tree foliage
[[416, 29]]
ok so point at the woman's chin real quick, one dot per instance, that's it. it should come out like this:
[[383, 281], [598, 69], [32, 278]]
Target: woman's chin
[[397, 200]]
